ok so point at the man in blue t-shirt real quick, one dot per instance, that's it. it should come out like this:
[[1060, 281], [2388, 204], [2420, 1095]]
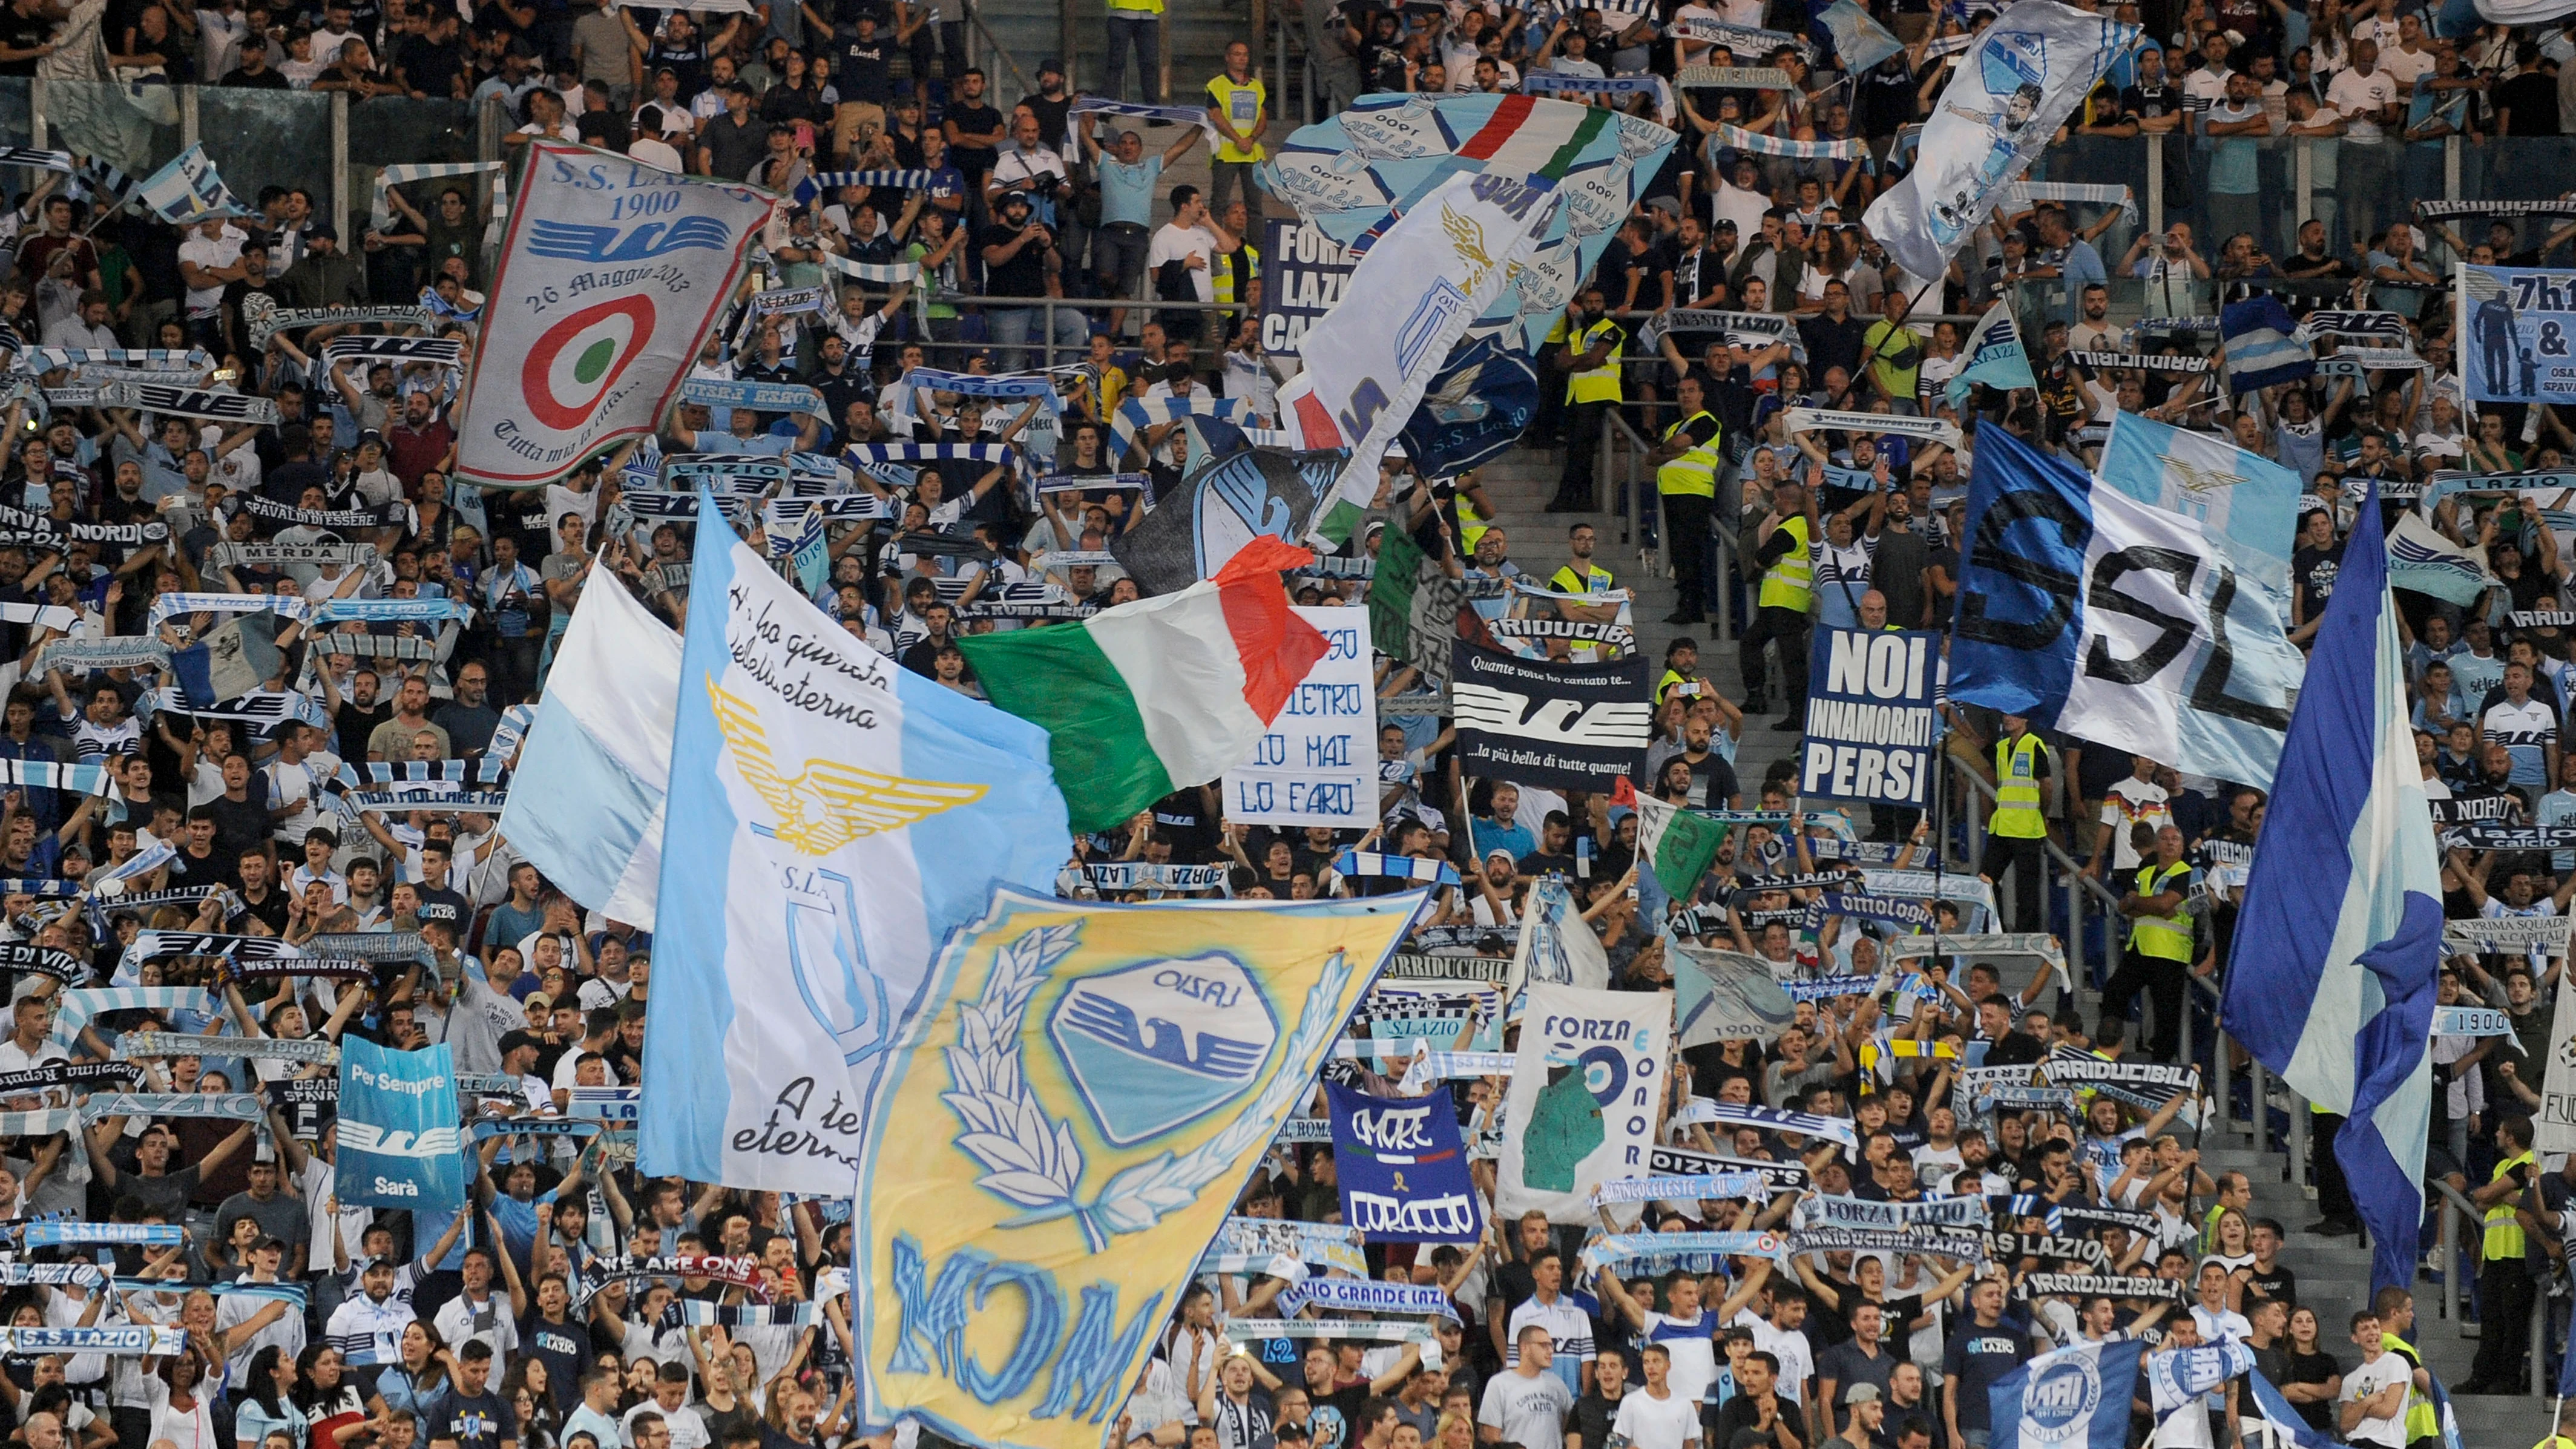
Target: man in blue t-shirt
[[1984, 1349]]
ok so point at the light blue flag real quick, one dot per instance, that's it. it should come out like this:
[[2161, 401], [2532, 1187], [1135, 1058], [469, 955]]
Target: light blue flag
[[831, 818], [2122, 623], [2340, 938], [1860, 42], [2245, 502], [399, 1143], [1995, 356], [2074, 1398], [2421, 559]]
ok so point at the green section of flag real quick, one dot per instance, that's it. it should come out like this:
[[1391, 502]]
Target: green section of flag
[[1680, 844], [1390, 595], [1057, 678]]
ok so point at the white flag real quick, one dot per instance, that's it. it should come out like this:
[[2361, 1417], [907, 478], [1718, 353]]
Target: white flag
[[2555, 1126], [2181, 660], [1584, 1101], [611, 276], [2011, 91], [1409, 300]]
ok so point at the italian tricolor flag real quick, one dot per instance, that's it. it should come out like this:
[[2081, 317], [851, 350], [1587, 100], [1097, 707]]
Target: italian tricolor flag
[[1677, 844], [1147, 697]]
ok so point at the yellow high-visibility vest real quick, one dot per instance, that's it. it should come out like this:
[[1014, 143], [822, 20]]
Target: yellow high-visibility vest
[[2504, 1240], [2167, 938], [1695, 471], [2017, 814], [1596, 384], [1790, 581]]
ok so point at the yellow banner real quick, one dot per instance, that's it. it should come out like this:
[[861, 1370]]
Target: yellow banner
[[1056, 1145]]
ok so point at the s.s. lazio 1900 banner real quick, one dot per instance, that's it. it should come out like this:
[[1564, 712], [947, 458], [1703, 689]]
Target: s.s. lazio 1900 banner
[[1054, 1145], [1586, 1098], [610, 277]]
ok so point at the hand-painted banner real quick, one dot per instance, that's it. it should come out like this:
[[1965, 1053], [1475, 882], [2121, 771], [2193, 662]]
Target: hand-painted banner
[[2516, 323], [1317, 765], [1584, 1098], [1039, 1128], [1402, 1170]]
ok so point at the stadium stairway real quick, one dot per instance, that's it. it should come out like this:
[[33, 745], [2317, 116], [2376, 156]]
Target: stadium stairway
[[1028, 31], [1521, 482], [2334, 1279]]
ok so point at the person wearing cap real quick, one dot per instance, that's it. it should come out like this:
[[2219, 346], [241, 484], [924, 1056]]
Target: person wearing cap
[[1863, 1412], [323, 276], [1022, 264]]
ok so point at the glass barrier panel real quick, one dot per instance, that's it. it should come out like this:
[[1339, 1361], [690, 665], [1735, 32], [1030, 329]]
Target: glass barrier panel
[[260, 138], [131, 126], [17, 114]]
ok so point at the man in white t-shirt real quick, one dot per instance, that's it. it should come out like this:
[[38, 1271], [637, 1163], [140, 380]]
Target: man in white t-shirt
[[1191, 237], [2372, 1409], [2126, 805], [2364, 94], [1655, 1417], [1782, 1336]]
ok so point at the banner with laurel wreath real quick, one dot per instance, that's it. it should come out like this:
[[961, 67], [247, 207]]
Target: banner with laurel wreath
[[1054, 1147]]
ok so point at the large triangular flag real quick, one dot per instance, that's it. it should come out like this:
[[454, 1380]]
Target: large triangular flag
[[1145, 698]]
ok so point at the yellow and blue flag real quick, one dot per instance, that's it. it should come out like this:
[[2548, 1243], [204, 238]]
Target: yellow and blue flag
[[1056, 1142]]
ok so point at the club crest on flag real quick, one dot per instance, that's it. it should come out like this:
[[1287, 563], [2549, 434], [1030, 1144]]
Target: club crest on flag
[[1162, 1043], [566, 241], [2059, 1405], [828, 804], [1092, 1076]]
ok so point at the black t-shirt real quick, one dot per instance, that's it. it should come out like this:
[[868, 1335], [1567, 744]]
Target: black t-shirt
[[353, 725], [863, 73], [2531, 103], [216, 869], [1592, 1418], [1739, 1414], [2313, 570], [239, 824], [1181, 818], [270, 910], [2280, 1283], [1023, 274], [429, 67], [971, 121], [22, 32], [2314, 1368], [266, 80]]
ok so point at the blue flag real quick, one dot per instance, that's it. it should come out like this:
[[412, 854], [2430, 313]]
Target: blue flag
[[2339, 942], [2030, 517], [2261, 347], [2075, 1398], [399, 1143], [1403, 1169], [1474, 409]]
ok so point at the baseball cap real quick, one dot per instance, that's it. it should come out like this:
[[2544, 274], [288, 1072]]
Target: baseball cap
[[1050, 66], [321, 229], [1861, 1394]]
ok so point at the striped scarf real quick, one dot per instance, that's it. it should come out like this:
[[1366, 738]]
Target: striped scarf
[[933, 452], [1136, 413], [285, 606], [2022, 194], [823, 181], [77, 1006], [1765, 145], [48, 775], [140, 359], [882, 274], [37, 160], [1395, 867], [381, 214], [43, 616], [44, 1123], [1165, 115], [1804, 1124]]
